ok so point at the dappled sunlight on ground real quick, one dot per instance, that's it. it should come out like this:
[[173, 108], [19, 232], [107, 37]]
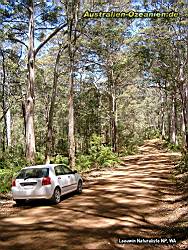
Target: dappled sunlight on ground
[[136, 199]]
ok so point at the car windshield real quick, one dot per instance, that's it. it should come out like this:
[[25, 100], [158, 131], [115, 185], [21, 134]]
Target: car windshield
[[33, 173]]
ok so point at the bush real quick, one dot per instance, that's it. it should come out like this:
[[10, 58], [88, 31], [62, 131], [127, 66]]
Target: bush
[[99, 156], [151, 133], [83, 163], [95, 146], [171, 146], [129, 150], [59, 159], [10, 165], [40, 158], [182, 167], [106, 157], [11, 160], [6, 176]]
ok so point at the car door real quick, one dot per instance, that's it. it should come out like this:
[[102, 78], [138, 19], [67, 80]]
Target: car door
[[62, 179], [69, 174]]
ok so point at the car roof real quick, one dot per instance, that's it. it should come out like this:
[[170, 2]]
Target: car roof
[[43, 166]]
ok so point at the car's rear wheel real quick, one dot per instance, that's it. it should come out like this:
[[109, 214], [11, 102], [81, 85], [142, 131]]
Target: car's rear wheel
[[79, 187], [56, 198], [20, 202]]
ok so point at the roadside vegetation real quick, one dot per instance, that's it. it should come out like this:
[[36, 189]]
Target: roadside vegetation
[[179, 173], [99, 156]]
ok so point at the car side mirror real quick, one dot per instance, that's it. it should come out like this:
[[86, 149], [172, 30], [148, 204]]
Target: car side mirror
[[75, 171]]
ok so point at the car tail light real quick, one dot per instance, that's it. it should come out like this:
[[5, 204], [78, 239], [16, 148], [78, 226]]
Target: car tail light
[[46, 181], [13, 183]]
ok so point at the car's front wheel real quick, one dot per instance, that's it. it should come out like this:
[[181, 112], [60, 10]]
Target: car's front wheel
[[79, 187], [56, 198]]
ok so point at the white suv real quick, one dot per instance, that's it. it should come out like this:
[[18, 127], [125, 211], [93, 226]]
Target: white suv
[[45, 182]]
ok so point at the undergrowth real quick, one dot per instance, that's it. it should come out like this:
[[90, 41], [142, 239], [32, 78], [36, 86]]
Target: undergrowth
[[99, 156]]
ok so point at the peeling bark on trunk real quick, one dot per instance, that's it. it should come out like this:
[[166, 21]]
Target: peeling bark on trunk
[[72, 9], [49, 138], [6, 108], [71, 138], [183, 90], [183, 129], [8, 128], [113, 111], [184, 101], [30, 100], [174, 120]]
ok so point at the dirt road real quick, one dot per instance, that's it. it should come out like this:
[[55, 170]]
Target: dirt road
[[137, 199]]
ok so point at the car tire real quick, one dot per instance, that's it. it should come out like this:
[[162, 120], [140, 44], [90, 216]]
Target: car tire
[[56, 198], [20, 202], [79, 187]]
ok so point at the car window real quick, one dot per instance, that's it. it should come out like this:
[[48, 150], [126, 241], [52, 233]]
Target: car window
[[66, 170], [21, 175], [33, 173], [58, 170]]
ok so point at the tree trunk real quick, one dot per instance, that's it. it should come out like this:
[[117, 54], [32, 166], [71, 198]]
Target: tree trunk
[[51, 111], [4, 141], [183, 129], [72, 9], [174, 120], [30, 100], [168, 101], [186, 115], [114, 123], [183, 90], [71, 138], [8, 128], [113, 111], [184, 101], [6, 109], [162, 117]]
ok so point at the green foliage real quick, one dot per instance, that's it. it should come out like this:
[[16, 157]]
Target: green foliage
[[87, 118], [138, 118], [129, 150], [59, 159], [151, 133], [10, 164], [83, 162], [40, 158], [182, 167], [10, 160], [99, 155], [131, 143], [106, 157], [95, 146], [6, 176], [171, 146]]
